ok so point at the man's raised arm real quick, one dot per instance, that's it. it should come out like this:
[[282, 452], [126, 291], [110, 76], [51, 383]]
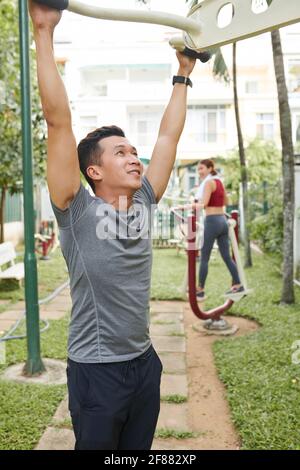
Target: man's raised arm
[[171, 127], [63, 172]]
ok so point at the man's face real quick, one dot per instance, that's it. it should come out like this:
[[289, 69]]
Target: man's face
[[120, 166]]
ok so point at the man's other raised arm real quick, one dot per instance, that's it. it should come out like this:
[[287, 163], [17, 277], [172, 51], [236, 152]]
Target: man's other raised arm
[[63, 172]]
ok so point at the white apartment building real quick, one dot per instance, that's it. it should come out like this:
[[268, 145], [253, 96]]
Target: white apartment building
[[121, 73]]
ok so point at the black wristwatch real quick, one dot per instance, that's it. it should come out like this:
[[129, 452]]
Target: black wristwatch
[[179, 79]]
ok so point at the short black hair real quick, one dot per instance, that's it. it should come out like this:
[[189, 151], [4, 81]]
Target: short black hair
[[89, 150]]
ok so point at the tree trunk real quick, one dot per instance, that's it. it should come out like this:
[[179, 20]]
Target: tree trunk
[[288, 295], [244, 172], [2, 206]]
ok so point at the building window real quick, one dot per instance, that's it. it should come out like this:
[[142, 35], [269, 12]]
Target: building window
[[294, 75], [265, 126], [101, 89], [206, 124], [144, 127], [148, 73], [95, 80], [192, 177], [251, 87], [88, 124], [192, 182]]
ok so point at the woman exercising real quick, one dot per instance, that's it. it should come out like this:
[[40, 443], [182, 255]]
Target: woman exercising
[[211, 196]]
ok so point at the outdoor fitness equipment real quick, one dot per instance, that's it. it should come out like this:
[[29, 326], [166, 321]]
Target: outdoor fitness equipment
[[45, 239], [202, 29], [192, 250]]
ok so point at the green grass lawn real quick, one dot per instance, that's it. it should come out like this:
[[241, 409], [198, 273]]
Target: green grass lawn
[[26, 410], [167, 274], [262, 383], [263, 386]]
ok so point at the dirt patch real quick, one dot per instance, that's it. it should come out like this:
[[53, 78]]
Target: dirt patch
[[208, 411]]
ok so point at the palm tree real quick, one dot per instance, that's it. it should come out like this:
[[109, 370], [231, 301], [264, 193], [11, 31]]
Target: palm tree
[[220, 71], [287, 295], [243, 163]]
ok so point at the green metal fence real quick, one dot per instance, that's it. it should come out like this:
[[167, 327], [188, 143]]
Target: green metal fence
[[13, 208], [163, 227]]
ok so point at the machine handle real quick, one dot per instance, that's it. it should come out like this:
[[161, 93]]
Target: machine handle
[[56, 4], [204, 56]]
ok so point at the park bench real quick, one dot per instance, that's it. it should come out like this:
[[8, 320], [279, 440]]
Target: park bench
[[7, 257]]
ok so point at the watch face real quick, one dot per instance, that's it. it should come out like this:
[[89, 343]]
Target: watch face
[[178, 79], [185, 80]]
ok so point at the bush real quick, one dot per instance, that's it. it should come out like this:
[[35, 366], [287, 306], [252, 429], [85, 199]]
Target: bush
[[267, 230]]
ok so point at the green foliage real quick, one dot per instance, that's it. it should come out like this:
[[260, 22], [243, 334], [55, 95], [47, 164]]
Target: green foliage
[[267, 230], [177, 399], [264, 172], [10, 105], [169, 433], [220, 70], [263, 165]]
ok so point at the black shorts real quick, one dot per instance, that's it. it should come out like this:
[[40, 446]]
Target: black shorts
[[115, 406]]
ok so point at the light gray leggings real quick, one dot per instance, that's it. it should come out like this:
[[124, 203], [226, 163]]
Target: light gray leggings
[[216, 228]]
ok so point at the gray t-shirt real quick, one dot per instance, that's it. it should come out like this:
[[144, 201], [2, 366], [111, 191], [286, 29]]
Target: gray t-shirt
[[109, 259]]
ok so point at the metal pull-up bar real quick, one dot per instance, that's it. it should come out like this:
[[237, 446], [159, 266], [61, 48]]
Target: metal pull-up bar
[[152, 17], [201, 28], [190, 26]]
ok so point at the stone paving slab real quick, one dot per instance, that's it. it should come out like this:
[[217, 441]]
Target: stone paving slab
[[11, 315], [166, 444], [52, 314], [65, 299], [18, 306], [166, 318], [164, 330], [173, 363], [57, 439], [174, 385], [58, 307], [62, 412], [173, 417], [166, 307], [5, 325], [169, 343]]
